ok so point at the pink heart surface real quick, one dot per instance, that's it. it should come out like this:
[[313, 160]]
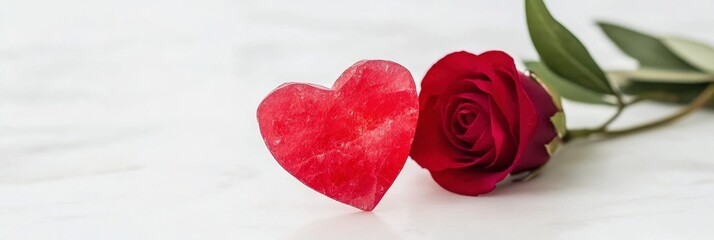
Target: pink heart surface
[[349, 142]]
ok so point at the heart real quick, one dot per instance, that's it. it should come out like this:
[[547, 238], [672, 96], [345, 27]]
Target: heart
[[349, 142]]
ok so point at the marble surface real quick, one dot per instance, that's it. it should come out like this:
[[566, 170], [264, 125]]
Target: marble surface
[[136, 120]]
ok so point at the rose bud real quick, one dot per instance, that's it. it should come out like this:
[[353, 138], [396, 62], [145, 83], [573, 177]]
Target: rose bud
[[480, 119]]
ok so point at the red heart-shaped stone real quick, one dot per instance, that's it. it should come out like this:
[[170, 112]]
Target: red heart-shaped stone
[[349, 142]]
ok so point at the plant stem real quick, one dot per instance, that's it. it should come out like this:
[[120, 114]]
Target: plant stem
[[697, 103], [620, 108], [637, 100]]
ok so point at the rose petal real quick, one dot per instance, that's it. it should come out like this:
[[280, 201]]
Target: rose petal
[[476, 130], [506, 101], [484, 86], [504, 142], [486, 159], [485, 142], [536, 153], [498, 59], [470, 181], [450, 68], [529, 122], [429, 146]]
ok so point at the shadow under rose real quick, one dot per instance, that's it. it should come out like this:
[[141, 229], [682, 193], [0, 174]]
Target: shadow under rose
[[435, 213], [570, 167], [358, 225]]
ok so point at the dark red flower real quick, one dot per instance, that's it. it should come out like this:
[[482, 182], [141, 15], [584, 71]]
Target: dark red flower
[[480, 119]]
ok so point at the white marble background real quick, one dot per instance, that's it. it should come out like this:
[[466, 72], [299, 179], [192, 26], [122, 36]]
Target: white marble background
[[134, 119]]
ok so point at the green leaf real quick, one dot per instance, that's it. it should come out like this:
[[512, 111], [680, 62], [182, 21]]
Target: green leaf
[[558, 121], [561, 51], [563, 87], [660, 75], [685, 90], [697, 54], [553, 146], [648, 50], [679, 93]]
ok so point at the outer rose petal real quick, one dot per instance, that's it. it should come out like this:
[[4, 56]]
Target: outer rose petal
[[468, 181], [498, 59], [536, 154], [452, 67], [429, 140]]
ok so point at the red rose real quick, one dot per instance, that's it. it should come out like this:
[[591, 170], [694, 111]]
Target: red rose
[[480, 119]]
